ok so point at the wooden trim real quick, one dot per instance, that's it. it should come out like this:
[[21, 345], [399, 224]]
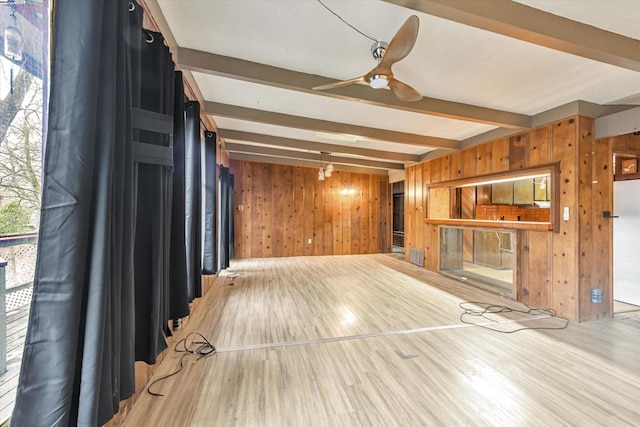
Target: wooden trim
[[506, 225], [481, 179]]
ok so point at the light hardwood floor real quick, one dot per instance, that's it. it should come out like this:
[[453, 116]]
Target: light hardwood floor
[[370, 340]]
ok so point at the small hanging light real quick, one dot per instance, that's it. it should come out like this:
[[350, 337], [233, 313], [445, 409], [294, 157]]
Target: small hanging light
[[321, 171], [329, 169]]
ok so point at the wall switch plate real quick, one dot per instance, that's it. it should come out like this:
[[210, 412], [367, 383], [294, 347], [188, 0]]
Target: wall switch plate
[[565, 213], [309, 241]]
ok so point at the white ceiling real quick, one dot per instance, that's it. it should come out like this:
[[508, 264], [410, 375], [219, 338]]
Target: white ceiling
[[450, 61]]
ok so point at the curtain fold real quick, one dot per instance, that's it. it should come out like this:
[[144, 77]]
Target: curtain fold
[[153, 219], [179, 297], [210, 236], [226, 240], [193, 187], [77, 361]]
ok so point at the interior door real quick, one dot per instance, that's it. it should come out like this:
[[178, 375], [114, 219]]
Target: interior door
[[626, 240]]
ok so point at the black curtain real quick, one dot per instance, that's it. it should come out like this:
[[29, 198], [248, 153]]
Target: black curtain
[[226, 218], [178, 298], [78, 360], [153, 219], [193, 189], [210, 236]]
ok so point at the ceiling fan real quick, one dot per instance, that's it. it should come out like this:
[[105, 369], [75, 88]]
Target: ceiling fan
[[387, 55]]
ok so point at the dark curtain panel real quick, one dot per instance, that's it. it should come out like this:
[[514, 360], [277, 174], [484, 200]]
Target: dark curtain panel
[[230, 205], [178, 297], [77, 361], [153, 225], [209, 254], [193, 188], [226, 218]]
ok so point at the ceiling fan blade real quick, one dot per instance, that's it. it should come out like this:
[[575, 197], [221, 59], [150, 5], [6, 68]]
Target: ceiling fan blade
[[403, 91], [402, 42], [340, 84]]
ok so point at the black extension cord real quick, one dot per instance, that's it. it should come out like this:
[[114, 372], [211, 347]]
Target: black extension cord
[[498, 309], [198, 348]]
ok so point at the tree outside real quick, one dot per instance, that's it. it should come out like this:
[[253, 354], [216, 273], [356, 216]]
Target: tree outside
[[20, 150]]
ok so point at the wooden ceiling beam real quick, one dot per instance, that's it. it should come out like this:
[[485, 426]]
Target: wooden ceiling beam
[[277, 141], [233, 147], [306, 163], [535, 26], [224, 66], [298, 122]]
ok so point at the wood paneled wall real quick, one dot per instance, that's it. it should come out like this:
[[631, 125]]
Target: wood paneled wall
[[556, 269], [285, 206]]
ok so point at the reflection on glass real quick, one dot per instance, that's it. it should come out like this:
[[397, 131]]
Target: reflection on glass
[[482, 257], [526, 199]]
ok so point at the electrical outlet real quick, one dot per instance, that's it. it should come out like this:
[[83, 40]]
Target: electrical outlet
[[240, 207], [309, 241]]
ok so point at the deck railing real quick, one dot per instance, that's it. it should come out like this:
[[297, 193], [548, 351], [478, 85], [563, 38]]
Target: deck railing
[[17, 265]]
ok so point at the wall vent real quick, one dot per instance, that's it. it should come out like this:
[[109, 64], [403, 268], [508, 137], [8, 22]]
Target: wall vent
[[416, 257]]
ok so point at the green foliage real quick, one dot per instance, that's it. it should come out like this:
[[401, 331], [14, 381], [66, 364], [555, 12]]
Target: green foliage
[[14, 219]]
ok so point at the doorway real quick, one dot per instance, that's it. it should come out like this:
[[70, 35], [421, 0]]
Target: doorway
[[626, 257]]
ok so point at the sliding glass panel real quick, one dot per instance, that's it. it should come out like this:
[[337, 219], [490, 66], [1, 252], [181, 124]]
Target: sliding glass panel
[[481, 257]]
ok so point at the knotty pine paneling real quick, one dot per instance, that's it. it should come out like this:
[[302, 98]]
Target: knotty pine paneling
[[285, 206], [519, 151], [500, 155], [565, 241], [409, 211], [457, 165], [483, 159], [539, 146], [557, 269], [470, 162], [419, 209]]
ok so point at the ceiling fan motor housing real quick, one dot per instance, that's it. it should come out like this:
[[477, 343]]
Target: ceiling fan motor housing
[[378, 49]]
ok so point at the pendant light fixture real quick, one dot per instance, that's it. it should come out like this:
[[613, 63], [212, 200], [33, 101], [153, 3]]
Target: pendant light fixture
[[329, 170], [321, 174]]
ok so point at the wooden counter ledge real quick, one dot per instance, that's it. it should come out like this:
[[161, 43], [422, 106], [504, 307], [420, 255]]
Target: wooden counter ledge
[[513, 225]]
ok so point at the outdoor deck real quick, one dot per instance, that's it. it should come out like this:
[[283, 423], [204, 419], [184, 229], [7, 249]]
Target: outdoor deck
[[18, 304]]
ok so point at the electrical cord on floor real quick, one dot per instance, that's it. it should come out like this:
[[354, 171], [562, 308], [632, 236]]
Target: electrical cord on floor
[[487, 308], [199, 348]]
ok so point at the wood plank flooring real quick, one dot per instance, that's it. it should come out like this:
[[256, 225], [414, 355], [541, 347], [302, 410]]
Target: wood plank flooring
[[369, 340]]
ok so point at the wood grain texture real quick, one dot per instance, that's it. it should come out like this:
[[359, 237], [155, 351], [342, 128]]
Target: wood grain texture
[[561, 268], [285, 206], [539, 146], [500, 159], [519, 151], [483, 159], [565, 241], [443, 374]]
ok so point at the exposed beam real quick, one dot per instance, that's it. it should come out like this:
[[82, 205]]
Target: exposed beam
[[286, 120], [305, 163], [233, 147], [248, 71], [618, 124], [535, 26], [316, 146]]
